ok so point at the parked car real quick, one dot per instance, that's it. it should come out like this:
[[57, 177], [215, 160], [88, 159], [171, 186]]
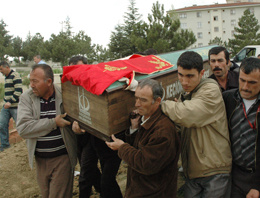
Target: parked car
[[247, 51]]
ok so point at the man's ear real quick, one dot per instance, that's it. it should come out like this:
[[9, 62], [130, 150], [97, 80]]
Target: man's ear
[[158, 100], [49, 81], [202, 72]]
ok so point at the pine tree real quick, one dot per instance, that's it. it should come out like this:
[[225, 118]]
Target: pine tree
[[218, 41], [121, 40], [5, 40], [164, 33], [246, 33]]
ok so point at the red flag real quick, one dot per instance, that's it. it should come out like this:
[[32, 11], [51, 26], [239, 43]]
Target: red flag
[[96, 78]]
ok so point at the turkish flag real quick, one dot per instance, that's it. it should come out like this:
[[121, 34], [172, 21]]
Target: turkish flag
[[96, 78]]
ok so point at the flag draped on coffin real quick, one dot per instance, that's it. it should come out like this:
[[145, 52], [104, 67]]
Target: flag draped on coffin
[[96, 78]]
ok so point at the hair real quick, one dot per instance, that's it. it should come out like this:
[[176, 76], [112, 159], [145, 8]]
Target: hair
[[250, 64], [47, 70], [38, 56], [154, 85], [147, 52], [75, 59], [150, 51], [4, 64], [190, 60], [217, 50], [258, 55]]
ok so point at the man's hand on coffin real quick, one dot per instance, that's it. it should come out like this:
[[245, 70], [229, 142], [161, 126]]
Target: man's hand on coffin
[[60, 122], [76, 128], [116, 144]]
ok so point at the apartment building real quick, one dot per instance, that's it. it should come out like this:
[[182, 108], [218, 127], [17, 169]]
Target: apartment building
[[217, 20]]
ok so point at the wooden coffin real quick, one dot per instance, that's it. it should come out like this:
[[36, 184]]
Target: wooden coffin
[[108, 113]]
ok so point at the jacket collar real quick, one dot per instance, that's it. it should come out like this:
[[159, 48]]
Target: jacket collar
[[232, 80], [58, 100], [202, 82], [238, 97], [9, 73], [152, 119]]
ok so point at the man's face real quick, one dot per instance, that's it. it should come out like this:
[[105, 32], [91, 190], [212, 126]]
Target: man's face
[[189, 78], [218, 64], [144, 101], [4, 70], [249, 84], [36, 60], [40, 85], [80, 62]]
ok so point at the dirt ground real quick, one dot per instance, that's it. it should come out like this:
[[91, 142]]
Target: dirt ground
[[17, 180]]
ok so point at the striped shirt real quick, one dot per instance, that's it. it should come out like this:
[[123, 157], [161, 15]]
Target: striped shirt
[[243, 137], [52, 144], [13, 88]]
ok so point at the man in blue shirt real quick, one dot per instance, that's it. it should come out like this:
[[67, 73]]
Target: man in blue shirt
[[37, 59]]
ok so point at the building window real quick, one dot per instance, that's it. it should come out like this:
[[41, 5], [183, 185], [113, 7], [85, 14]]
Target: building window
[[183, 15], [232, 12], [199, 14], [183, 25], [200, 35], [200, 44], [224, 32], [208, 22], [216, 29], [199, 25], [215, 18], [209, 32], [233, 22]]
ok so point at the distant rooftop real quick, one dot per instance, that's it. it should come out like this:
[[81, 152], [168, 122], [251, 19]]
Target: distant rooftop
[[197, 7]]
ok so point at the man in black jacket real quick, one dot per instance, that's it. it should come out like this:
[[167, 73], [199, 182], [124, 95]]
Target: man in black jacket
[[219, 61], [243, 106]]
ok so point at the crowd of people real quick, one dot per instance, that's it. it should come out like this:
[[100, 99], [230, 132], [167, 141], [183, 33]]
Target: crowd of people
[[213, 126]]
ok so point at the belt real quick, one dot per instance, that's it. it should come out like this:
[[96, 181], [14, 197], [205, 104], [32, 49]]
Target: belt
[[246, 170]]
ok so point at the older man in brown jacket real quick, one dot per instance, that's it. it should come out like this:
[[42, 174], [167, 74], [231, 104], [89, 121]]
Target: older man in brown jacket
[[152, 150]]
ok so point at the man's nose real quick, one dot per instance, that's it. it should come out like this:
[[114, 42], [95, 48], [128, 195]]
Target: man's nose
[[185, 81], [137, 103], [245, 86]]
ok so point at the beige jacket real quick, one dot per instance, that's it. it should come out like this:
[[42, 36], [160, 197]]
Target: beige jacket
[[30, 126], [205, 138]]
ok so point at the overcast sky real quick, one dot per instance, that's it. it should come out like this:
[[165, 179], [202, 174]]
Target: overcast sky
[[96, 17]]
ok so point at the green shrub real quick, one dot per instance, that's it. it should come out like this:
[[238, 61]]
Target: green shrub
[[24, 74], [26, 81], [57, 71]]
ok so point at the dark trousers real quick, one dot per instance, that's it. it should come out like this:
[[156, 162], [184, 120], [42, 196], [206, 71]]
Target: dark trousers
[[242, 182], [90, 149]]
